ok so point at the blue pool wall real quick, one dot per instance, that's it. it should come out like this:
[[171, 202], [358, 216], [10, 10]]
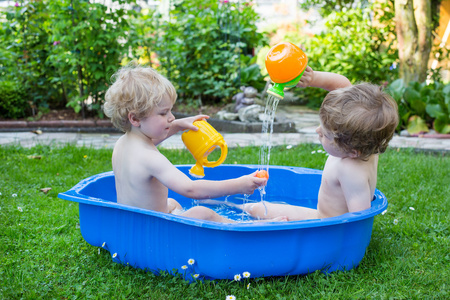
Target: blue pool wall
[[156, 241]]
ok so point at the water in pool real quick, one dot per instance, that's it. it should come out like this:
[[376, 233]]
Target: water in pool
[[229, 209], [226, 209]]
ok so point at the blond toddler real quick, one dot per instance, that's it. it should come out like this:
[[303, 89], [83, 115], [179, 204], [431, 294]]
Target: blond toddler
[[139, 103]]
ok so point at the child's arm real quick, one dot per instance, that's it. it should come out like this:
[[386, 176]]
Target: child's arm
[[324, 80], [180, 183], [204, 189], [182, 124]]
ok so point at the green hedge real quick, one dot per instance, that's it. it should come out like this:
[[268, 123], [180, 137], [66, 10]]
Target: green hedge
[[62, 52], [13, 100]]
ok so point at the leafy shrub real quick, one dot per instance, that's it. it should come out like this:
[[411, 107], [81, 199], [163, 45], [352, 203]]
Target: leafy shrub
[[13, 100], [422, 106], [88, 41], [250, 74], [199, 47], [25, 51], [64, 51]]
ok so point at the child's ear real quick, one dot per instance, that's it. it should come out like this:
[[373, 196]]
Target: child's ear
[[354, 153], [133, 119]]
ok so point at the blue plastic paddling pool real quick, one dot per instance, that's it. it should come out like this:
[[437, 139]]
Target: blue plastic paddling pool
[[157, 241]]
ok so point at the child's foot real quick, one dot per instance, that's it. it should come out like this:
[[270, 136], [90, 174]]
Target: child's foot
[[280, 219], [277, 219]]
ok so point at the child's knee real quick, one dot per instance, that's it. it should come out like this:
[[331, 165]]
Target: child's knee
[[173, 205], [201, 212], [255, 209]]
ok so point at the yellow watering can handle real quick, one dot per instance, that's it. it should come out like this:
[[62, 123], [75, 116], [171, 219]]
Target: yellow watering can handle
[[224, 151]]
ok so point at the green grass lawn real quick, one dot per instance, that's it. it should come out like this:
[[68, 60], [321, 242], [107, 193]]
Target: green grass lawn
[[43, 255]]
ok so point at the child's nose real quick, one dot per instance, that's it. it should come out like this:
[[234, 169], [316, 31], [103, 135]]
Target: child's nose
[[319, 131], [171, 117]]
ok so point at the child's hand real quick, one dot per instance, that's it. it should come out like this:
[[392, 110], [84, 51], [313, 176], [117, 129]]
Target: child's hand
[[307, 77], [187, 123], [251, 183]]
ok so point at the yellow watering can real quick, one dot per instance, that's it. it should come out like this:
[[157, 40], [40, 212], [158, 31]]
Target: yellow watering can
[[201, 143], [285, 64]]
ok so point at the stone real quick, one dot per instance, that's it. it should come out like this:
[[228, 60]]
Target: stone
[[228, 116], [250, 113], [250, 92], [247, 97]]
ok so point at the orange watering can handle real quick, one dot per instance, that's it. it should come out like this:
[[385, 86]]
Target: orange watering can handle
[[224, 151]]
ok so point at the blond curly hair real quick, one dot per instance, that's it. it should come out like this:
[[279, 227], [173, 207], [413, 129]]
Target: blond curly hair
[[361, 117], [135, 89]]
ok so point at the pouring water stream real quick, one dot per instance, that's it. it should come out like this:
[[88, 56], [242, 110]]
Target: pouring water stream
[[285, 63], [266, 132]]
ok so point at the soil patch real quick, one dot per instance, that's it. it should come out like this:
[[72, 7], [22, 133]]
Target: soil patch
[[62, 114]]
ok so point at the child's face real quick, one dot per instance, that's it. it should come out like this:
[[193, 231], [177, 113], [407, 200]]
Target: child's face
[[327, 140], [157, 124]]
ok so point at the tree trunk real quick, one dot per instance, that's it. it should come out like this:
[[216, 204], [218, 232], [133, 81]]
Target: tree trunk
[[414, 27]]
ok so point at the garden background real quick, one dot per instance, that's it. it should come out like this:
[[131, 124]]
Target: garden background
[[58, 54]]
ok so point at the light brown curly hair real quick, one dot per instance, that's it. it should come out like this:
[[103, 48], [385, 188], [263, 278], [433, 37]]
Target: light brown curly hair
[[361, 117], [138, 90]]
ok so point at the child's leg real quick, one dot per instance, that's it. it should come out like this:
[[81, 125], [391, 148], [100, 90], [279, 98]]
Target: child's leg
[[204, 213], [173, 206], [197, 212], [292, 212]]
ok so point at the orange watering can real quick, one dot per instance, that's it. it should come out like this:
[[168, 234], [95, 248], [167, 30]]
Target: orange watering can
[[285, 64], [201, 143]]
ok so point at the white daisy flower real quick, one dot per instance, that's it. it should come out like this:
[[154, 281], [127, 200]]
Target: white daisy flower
[[19, 209], [246, 274], [231, 297], [191, 261], [412, 208], [237, 277], [184, 267], [395, 222], [114, 255]]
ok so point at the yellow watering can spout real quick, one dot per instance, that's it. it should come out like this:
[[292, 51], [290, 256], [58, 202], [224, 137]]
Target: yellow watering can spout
[[201, 143], [197, 170]]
